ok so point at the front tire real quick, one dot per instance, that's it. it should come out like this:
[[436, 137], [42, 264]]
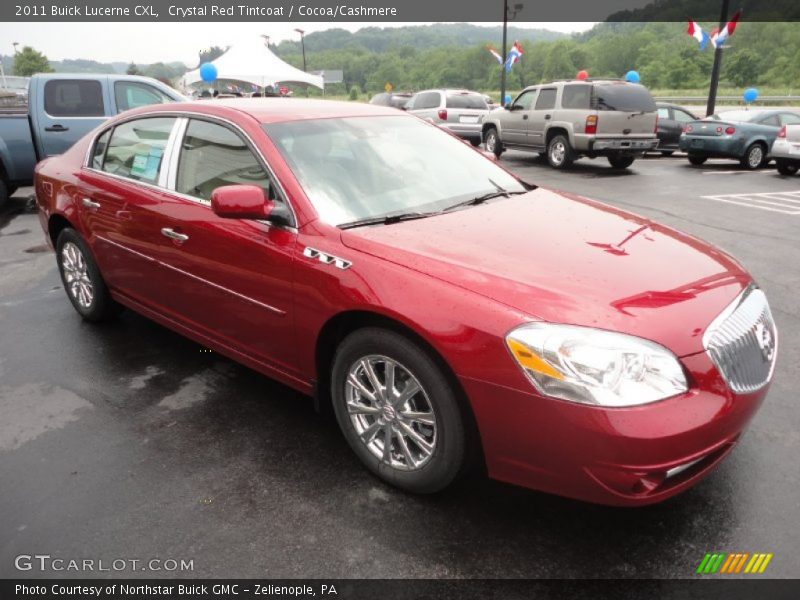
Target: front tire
[[620, 162], [754, 157], [785, 167], [398, 411], [81, 277], [667, 153], [559, 152], [492, 142]]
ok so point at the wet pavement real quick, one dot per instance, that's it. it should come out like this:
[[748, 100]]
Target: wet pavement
[[127, 441]]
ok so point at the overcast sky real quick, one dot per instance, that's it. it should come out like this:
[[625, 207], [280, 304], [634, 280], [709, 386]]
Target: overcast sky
[[151, 42]]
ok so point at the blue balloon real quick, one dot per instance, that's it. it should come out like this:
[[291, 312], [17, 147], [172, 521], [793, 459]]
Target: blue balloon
[[632, 77], [750, 95], [507, 100], [208, 72]]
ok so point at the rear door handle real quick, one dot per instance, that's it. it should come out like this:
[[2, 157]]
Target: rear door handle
[[547, 116], [89, 203], [56, 128], [524, 117], [174, 235]]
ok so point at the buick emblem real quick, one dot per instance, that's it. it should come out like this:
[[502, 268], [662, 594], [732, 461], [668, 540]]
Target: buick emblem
[[766, 341]]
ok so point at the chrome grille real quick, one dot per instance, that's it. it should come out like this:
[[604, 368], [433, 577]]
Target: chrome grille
[[743, 342]]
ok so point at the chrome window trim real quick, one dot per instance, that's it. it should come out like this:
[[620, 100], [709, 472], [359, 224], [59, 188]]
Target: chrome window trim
[[188, 115], [171, 153], [193, 276]]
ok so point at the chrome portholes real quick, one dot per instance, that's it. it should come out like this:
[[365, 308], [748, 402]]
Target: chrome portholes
[[326, 258]]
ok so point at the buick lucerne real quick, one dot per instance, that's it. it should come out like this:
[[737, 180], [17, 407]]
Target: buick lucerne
[[451, 315]]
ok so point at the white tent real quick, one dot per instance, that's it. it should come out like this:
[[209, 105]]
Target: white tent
[[252, 62]]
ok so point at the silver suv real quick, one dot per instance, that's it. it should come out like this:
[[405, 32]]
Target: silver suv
[[565, 120], [460, 111]]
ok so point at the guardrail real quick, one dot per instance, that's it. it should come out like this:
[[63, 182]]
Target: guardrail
[[735, 99]]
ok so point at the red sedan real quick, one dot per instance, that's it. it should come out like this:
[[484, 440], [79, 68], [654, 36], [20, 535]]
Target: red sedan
[[451, 314]]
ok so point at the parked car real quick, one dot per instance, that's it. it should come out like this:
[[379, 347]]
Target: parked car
[[393, 99], [745, 135], [61, 109], [460, 111], [671, 121], [565, 120], [448, 312], [786, 149]]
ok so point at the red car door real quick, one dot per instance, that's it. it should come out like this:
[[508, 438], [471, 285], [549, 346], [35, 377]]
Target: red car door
[[229, 279], [121, 178]]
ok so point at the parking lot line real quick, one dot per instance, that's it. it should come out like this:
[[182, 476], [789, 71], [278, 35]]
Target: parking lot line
[[782, 202]]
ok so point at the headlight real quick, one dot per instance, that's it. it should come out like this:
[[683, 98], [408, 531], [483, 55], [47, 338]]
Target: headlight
[[592, 366]]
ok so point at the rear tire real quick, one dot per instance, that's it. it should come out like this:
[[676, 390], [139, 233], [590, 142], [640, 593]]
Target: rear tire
[[493, 143], [786, 167], [475, 142], [559, 152], [697, 159], [81, 277], [621, 162], [425, 454], [754, 157], [4, 193]]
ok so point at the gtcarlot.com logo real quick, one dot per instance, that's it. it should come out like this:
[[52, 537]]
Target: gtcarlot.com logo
[[46, 562], [733, 562]]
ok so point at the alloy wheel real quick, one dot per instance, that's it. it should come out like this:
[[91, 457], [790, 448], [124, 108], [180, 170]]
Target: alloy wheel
[[76, 274], [755, 157], [557, 152], [491, 142], [391, 412]]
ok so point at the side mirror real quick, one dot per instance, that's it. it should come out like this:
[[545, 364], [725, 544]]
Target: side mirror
[[247, 202], [508, 106]]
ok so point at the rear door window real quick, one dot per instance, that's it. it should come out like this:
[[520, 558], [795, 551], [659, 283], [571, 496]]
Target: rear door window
[[681, 116], [577, 96], [472, 101], [663, 113], [136, 148], [771, 120], [133, 94], [789, 119], [546, 99], [99, 151], [627, 97], [73, 98]]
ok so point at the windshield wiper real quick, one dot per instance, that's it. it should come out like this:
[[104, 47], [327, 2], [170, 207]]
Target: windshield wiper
[[386, 219], [500, 191]]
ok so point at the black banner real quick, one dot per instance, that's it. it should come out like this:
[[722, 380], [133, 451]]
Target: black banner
[[383, 589], [390, 10]]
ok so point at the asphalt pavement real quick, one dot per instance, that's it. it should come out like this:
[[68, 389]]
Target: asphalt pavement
[[127, 441]]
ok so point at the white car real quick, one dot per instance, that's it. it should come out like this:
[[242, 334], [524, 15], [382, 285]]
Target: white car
[[786, 149]]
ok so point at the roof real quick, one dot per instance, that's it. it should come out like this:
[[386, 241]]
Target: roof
[[279, 110], [251, 61]]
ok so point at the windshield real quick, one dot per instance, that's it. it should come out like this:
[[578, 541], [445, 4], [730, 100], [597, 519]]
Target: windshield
[[738, 116], [626, 97], [368, 167]]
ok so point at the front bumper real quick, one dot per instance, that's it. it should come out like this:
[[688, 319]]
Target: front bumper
[[725, 146], [624, 456]]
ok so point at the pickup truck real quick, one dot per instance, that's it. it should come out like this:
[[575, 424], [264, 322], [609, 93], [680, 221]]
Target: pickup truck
[[61, 109]]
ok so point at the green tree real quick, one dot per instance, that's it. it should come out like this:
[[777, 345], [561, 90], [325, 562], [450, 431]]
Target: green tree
[[354, 93], [29, 62], [743, 68], [210, 54], [133, 69]]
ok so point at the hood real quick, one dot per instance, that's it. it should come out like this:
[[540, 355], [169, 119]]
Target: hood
[[566, 259]]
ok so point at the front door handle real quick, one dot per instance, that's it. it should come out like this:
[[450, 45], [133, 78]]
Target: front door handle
[[89, 203], [174, 235], [524, 117], [56, 128], [547, 116]]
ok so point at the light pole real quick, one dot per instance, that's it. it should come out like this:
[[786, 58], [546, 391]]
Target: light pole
[[302, 45], [712, 90], [506, 16]]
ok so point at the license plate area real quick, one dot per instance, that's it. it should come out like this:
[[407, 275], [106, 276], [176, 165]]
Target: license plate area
[[466, 119]]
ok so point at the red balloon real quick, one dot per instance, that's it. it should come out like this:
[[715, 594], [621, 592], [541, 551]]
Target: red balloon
[[583, 75]]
